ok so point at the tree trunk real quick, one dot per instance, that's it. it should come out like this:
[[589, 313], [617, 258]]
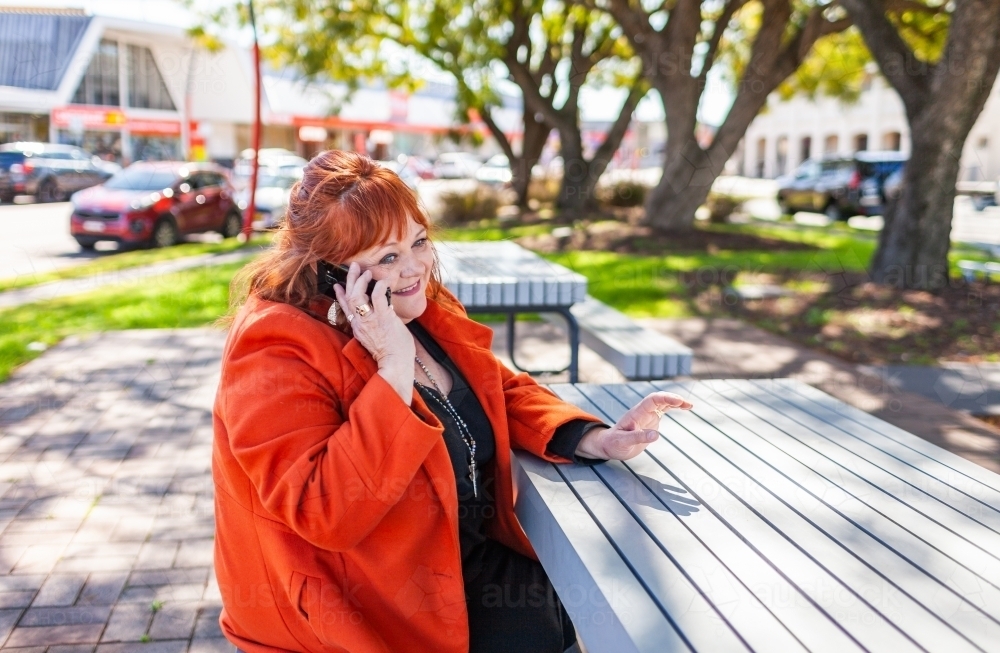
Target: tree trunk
[[532, 144], [580, 176], [576, 192], [943, 101], [913, 246], [688, 174]]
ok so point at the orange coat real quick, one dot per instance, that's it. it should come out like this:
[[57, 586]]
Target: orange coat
[[336, 508]]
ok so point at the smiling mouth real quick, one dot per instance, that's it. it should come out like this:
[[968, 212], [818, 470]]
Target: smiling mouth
[[408, 288]]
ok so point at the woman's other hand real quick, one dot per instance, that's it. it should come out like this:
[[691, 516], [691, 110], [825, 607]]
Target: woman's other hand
[[380, 330], [633, 432]]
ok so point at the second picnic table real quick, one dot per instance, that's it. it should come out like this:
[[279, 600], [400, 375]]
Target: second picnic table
[[503, 277]]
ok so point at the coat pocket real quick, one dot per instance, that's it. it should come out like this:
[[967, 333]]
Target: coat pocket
[[325, 605], [298, 592]]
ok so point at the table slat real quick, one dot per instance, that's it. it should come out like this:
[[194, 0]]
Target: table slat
[[610, 608], [743, 542], [880, 514], [949, 487], [771, 517], [700, 621], [846, 578], [971, 478], [533, 280], [918, 605], [910, 490]]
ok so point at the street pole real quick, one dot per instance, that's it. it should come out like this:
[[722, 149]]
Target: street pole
[[251, 207]]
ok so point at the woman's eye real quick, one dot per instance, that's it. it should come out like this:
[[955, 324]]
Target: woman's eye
[[420, 243], [387, 259]]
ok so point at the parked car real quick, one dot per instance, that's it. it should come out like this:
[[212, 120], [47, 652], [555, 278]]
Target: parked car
[[406, 173], [456, 165], [840, 186], [420, 165], [496, 171], [274, 187], [155, 204], [48, 171], [270, 157], [892, 188], [551, 169]]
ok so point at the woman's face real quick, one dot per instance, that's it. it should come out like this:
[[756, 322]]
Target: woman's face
[[406, 266]]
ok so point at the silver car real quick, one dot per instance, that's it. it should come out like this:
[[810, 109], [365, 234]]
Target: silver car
[[274, 187]]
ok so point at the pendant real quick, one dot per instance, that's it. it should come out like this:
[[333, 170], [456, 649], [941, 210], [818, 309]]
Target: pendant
[[472, 477]]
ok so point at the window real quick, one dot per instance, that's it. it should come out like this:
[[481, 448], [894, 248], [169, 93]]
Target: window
[[220, 180], [761, 152], [141, 179], [830, 145], [891, 141], [861, 142], [205, 179], [146, 89], [100, 83], [805, 148], [983, 143], [782, 154]]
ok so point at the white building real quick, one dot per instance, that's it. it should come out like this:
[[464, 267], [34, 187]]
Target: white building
[[130, 90], [787, 133]]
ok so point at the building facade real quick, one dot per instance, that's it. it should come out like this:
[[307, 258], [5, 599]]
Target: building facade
[[790, 132], [128, 90]]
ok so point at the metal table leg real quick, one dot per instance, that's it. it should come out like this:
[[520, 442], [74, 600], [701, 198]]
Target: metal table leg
[[574, 344]]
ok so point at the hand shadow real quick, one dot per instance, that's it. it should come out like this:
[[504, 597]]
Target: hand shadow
[[671, 497]]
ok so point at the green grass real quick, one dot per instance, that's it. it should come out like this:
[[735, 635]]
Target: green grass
[[642, 286], [130, 259], [186, 299], [656, 286], [491, 230]]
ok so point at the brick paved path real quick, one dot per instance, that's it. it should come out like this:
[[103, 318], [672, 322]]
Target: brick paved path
[[106, 515]]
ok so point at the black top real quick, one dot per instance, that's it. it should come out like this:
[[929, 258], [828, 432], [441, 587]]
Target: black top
[[473, 512]]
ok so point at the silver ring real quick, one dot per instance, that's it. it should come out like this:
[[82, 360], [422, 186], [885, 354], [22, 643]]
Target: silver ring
[[363, 310], [659, 413], [349, 316]]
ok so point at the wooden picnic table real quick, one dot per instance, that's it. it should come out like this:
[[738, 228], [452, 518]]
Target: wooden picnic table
[[503, 277], [771, 517]]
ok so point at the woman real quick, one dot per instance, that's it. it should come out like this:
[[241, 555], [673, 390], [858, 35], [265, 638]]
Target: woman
[[362, 448]]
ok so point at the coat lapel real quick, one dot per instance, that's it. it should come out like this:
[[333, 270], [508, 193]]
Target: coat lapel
[[467, 343]]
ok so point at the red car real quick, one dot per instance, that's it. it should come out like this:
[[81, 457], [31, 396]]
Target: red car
[[155, 204]]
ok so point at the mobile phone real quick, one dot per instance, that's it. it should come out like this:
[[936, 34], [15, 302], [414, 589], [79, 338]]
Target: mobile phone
[[328, 274]]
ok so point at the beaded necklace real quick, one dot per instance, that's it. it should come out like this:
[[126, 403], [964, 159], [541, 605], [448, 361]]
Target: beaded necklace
[[463, 430]]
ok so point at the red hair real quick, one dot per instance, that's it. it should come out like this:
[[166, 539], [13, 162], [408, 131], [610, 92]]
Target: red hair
[[344, 204]]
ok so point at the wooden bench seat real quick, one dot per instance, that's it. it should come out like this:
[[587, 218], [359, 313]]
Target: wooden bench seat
[[636, 351]]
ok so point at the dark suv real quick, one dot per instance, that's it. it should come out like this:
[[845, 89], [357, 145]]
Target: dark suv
[[840, 187], [49, 172]]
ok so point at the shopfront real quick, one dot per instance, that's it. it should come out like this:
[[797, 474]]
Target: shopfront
[[117, 135]]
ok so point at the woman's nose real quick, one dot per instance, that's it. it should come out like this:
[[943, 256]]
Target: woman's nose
[[412, 267]]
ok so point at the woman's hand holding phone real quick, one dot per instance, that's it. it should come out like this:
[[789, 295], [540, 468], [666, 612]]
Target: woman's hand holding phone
[[380, 331]]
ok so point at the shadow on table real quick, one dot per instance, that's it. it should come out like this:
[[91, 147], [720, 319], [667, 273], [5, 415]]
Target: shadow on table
[[666, 496]]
